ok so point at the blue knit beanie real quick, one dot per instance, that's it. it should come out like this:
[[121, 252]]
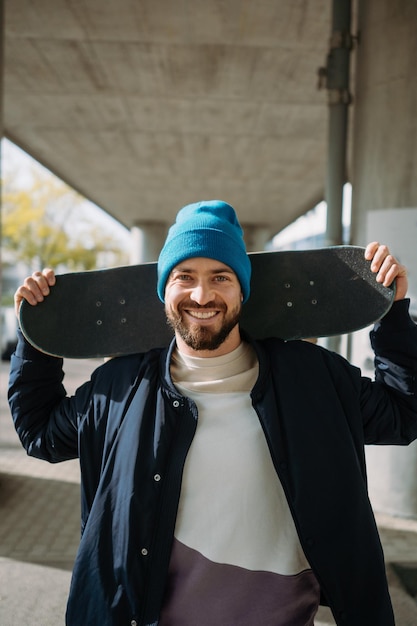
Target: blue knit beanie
[[205, 229]]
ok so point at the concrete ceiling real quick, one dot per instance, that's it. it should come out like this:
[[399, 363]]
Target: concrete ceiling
[[146, 105]]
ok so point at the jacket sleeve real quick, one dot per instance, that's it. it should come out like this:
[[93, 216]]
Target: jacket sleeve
[[44, 418], [389, 404]]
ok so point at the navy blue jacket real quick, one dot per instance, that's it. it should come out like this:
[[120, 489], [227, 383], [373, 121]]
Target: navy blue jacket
[[131, 430]]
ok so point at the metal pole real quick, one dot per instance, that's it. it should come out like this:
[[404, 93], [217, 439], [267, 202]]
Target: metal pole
[[339, 98], [336, 74]]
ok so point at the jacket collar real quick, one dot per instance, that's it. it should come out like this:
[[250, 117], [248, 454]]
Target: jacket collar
[[263, 359]]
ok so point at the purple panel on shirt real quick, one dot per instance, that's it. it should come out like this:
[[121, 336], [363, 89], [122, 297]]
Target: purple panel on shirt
[[202, 592]]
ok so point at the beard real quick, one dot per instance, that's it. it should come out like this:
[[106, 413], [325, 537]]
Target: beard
[[199, 337]]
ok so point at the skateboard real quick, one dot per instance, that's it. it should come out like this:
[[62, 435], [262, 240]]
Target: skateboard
[[294, 295]]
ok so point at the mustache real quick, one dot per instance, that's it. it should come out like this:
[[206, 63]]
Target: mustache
[[189, 304]]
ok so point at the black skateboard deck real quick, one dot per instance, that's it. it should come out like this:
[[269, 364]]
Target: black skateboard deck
[[294, 295]]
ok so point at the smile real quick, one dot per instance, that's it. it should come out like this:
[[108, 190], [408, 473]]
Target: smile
[[202, 315]]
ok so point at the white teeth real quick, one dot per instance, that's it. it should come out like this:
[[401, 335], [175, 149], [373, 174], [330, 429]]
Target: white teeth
[[202, 315]]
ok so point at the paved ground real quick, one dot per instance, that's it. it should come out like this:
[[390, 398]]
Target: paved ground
[[39, 531]]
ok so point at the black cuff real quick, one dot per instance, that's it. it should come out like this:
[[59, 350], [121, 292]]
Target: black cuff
[[397, 318]]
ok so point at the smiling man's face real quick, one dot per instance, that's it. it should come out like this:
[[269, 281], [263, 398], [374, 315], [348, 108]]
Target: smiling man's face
[[203, 301]]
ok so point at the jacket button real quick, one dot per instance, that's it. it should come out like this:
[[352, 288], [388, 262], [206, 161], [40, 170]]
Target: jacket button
[[176, 404], [144, 552], [157, 478], [133, 623]]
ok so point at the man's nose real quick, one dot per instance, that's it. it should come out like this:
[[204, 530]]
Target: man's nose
[[202, 293]]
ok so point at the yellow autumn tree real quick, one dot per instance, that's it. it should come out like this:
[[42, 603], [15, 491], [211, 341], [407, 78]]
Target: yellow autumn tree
[[43, 225]]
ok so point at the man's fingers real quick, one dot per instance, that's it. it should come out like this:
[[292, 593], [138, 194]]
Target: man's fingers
[[44, 280], [24, 293], [382, 261], [49, 276], [377, 254], [370, 250], [35, 288], [38, 285], [387, 268], [388, 271]]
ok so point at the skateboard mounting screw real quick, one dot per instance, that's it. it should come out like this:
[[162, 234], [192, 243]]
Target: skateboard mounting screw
[[311, 283], [289, 304], [123, 320], [99, 322], [122, 301], [314, 301], [287, 285], [98, 303]]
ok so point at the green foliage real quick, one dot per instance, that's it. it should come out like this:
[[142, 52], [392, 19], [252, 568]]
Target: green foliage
[[44, 226]]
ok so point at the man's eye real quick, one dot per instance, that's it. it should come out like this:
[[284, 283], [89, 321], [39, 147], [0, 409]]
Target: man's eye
[[220, 278]]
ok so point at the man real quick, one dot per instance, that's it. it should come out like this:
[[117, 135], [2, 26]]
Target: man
[[223, 479]]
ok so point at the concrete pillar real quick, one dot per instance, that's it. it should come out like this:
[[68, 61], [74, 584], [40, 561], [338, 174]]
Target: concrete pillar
[[256, 237], [384, 183], [147, 241], [385, 120]]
